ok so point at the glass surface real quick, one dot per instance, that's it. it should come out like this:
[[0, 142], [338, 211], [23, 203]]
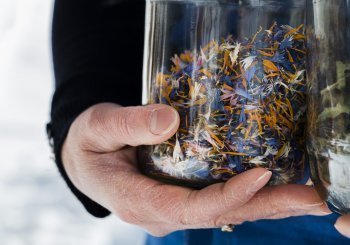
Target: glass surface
[[235, 72], [329, 101]]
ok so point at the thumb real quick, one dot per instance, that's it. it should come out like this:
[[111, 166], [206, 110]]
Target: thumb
[[110, 127]]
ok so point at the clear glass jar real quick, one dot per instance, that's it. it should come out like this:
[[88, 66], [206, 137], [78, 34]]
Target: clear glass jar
[[328, 140], [235, 72]]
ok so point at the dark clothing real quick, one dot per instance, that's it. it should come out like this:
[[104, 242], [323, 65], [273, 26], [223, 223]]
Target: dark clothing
[[97, 53]]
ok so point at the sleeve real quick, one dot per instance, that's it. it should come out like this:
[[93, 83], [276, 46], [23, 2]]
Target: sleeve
[[97, 55]]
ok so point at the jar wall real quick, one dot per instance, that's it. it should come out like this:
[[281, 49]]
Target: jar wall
[[329, 100], [235, 72]]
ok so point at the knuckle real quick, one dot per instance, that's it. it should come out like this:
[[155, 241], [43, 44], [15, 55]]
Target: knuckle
[[273, 207], [94, 117], [184, 214], [233, 197], [168, 209], [96, 121], [121, 121], [125, 124], [260, 208]]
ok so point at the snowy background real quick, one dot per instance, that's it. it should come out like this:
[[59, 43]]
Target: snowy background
[[35, 204]]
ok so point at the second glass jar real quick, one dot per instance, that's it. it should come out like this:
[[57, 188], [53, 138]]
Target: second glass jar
[[235, 72], [328, 139]]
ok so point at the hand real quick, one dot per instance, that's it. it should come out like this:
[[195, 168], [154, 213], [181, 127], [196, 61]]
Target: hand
[[99, 156], [343, 225]]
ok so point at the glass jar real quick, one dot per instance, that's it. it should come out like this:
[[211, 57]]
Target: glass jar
[[235, 72], [328, 140]]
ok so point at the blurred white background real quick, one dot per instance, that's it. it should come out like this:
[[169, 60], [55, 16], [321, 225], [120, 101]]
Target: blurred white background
[[36, 207]]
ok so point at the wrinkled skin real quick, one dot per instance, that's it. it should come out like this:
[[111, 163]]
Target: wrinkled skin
[[99, 156]]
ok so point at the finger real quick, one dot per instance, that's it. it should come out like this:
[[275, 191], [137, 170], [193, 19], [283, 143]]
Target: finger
[[343, 225], [279, 202], [109, 127], [179, 206], [201, 208]]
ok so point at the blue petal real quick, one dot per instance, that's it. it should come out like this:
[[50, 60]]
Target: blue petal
[[250, 73], [286, 43], [189, 69], [278, 35], [278, 58], [244, 93], [242, 117]]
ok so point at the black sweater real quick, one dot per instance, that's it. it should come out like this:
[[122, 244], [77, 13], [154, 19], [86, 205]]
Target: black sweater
[[97, 54]]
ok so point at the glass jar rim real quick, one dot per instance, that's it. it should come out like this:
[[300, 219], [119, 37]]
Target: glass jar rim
[[253, 3]]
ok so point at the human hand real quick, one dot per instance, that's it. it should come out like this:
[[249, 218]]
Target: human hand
[[343, 225], [99, 156]]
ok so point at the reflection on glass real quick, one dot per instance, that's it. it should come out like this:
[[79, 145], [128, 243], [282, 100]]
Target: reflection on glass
[[329, 101]]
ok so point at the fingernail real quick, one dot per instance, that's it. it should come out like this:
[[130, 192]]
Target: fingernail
[[343, 226], [313, 205], [324, 210], [318, 209], [263, 178], [163, 121]]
